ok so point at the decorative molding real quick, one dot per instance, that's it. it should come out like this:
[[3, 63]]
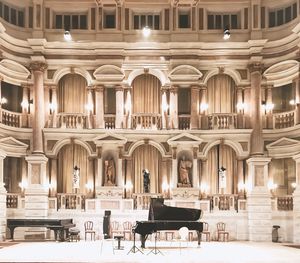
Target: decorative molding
[[283, 148]]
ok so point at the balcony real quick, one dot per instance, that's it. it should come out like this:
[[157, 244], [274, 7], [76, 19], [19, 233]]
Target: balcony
[[218, 121], [146, 121]]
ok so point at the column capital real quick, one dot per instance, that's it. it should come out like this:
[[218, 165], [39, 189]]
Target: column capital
[[174, 89], [99, 88], [195, 87], [119, 88], [38, 66], [2, 154], [255, 67]]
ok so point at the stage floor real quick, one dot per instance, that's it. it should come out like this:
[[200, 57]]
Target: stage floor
[[90, 251]]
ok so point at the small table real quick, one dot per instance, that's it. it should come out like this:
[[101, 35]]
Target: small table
[[119, 237]]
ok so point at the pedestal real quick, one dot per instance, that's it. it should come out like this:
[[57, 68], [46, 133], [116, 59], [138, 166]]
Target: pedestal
[[2, 213], [296, 213], [109, 192]]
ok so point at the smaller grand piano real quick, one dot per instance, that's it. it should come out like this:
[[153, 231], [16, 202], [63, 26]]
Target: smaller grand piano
[[59, 226], [163, 217]]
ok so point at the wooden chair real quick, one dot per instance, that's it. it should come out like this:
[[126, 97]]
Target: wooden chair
[[127, 228], [89, 229], [205, 232], [115, 229], [222, 232]]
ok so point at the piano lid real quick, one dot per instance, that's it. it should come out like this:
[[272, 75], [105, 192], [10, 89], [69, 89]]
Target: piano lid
[[159, 211]]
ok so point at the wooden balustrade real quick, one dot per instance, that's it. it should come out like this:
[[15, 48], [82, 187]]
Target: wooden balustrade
[[222, 121], [109, 120], [71, 201], [10, 118], [285, 203], [147, 121], [184, 122], [72, 120], [224, 202], [284, 120], [12, 200]]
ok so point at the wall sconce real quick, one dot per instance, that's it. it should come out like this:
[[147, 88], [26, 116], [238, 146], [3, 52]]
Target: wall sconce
[[3, 101], [26, 103], [165, 107], [294, 102], [226, 35], [67, 35], [272, 187], [294, 184], [128, 188], [165, 189], [241, 106], [89, 107], [203, 107], [52, 107], [89, 186], [146, 31], [204, 189], [23, 185], [267, 107]]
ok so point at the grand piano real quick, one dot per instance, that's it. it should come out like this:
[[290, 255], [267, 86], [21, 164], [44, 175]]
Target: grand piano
[[59, 226], [163, 217]]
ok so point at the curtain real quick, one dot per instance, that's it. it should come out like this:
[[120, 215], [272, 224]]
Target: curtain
[[146, 94], [12, 174], [147, 157], [227, 159], [66, 165], [72, 94], [221, 94]]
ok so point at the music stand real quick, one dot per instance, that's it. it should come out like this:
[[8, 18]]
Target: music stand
[[134, 248], [155, 250]]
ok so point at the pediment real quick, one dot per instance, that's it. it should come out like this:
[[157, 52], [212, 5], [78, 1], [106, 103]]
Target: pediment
[[283, 70], [109, 72], [284, 147], [12, 146], [110, 138], [185, 72], [185, 138], [14, 71]]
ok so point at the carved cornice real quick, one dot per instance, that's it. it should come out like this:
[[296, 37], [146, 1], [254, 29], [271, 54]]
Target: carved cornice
[[38, 66]]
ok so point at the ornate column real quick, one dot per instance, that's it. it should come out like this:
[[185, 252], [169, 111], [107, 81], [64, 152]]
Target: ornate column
[[53, 176], [296, 202], [259, 200], [240, 108], [128, 109], [257, 144], [119, 107], [54, 106], [240, 178], [203, 108], [2, 199], [194, 107], [173, 108], [90, 107], [269, 108], [164, 108], [204, 186], [174, 178], [38, 69], [25, 106], [195, 168], [47, 105], [99, 107], [99, 176]]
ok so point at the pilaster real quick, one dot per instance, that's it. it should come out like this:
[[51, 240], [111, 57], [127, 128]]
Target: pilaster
[[296, 202], [2, 199], [119, 107]]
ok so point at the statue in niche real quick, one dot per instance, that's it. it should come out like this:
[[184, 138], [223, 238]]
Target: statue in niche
[[146, 180], [184, 171], [109, 172]]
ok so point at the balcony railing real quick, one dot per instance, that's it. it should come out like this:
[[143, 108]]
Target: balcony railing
[[72, 120], [218, 121], [12, 200], [109, 121], [10, 118], [142, 201], [71, 201], [184, 121], [285, 203], [284, 120], [146, 121]]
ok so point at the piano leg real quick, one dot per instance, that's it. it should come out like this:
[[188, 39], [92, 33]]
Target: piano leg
[[12, 230], [143, 241], [199, 238]]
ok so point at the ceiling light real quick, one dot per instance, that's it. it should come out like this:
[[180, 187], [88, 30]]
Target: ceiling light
[[146, 31], [226, 34]]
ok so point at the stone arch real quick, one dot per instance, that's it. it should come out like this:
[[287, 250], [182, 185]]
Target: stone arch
[[155, 144], [64, 71], [155, 72], [234, 145], [13, 72]]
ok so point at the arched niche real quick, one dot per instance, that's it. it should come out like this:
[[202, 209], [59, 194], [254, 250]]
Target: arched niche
[[60, 73]]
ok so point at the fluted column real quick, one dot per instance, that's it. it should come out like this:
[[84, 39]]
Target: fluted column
[[194, 107], [53, 176], [99, 107], [240, 178], [119, 107], [164, 108], [90, 107], [256, 147], [128, 108], [174, 108], [204, 186], [2, 199], [99, 174], [54, 106], [38, 69], [25, 105], [240, 108], [203, 108], [296, 202], [269, 110], [47, 105]]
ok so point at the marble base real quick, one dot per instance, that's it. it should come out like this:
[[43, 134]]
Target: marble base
[[185, 193], [110, 192]]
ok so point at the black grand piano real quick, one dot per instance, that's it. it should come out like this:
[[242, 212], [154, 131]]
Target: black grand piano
[[163, 217], [59, 226]]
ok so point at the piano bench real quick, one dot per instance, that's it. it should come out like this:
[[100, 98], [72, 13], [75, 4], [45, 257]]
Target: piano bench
[[74, 234]]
